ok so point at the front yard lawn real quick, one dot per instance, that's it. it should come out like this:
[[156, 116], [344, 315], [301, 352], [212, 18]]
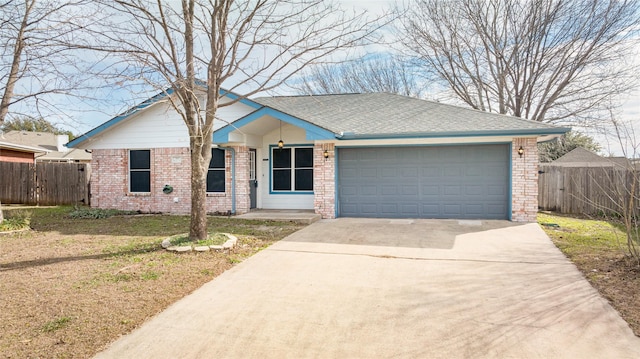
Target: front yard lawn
[[71, 286], [597, 248]]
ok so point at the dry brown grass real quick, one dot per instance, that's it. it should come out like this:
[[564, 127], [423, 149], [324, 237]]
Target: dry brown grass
[[70, 287]]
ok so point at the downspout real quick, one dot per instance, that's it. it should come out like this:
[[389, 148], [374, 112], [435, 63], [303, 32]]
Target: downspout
[[233, 176]]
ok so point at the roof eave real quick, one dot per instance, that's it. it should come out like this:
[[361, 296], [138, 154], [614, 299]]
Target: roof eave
[[556, 131], [23, 148]]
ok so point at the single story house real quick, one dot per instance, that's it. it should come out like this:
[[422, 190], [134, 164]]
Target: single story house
[[52, 145], [356, 155]]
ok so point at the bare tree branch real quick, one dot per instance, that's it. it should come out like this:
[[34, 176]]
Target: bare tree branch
[[545, 60]]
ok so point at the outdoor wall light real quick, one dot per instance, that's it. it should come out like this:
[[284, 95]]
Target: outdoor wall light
[[521, 151], [325, 154], [280, 143]]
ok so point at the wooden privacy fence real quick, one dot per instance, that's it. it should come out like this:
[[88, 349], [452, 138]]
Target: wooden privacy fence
[[44, 183], [586, 190]]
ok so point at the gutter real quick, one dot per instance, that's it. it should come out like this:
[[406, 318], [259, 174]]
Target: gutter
[[529, 132]]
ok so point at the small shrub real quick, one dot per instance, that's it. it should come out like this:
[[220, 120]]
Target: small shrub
[[16, 220], [98, 213]]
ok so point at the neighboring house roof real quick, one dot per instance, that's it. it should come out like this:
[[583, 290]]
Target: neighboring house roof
[[581, 157], [48, 142], [376, 115], [21, 148]]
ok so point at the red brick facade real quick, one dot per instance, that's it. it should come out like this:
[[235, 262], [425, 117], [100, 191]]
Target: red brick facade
[[524, 180], [16, 156], [171, 166], [324, 178]]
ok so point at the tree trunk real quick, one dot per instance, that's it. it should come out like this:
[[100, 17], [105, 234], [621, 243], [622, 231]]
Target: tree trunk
[[199, 166], [1, 215]]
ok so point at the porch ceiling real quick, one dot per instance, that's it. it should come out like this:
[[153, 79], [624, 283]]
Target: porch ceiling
[[259, 127]]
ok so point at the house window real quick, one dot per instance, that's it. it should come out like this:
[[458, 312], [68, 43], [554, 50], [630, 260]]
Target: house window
[[216, 173], [140, 171], [292, 169]]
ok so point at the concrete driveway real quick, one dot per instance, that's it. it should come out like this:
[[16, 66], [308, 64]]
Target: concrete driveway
[[365, 288]]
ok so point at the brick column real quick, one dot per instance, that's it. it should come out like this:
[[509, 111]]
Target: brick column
[[524, 180], [324, 186], [243, 199]]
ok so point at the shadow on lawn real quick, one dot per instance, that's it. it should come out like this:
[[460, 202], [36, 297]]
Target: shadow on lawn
[[47, 261]]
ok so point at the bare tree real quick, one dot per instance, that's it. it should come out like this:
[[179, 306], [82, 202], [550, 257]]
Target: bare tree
[[373, 74], [246, 47], [544, 60], [36, 61]]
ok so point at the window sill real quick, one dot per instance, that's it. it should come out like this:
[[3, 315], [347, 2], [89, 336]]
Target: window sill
[[216, 194]]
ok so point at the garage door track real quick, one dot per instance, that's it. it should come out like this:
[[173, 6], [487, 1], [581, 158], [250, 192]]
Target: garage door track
[[365, 288]]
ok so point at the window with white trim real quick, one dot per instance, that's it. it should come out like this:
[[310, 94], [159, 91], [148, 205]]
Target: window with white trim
[[140, 171], [216, 172], [292, 169]]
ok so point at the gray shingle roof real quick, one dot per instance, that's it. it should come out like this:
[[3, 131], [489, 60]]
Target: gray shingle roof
[[377, 114], [581, 157]]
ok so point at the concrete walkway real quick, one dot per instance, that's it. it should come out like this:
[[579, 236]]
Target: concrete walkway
[[287, 215], [358, 288]]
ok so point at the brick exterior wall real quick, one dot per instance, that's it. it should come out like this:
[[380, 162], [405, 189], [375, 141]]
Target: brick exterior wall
[[169, 166], [524, 180], [110, 181], [324, 187], [243, 199]]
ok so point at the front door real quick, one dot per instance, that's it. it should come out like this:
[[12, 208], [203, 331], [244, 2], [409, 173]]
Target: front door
[[253, 182]]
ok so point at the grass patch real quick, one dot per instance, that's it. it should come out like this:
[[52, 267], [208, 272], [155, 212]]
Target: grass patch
[[598, 249], [212, 239], [56, 324], [574, 235]]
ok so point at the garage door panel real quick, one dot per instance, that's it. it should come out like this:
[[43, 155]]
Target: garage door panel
[[368, 190], [452, 210], [430, 190], [452, 190], [473, 190], [469, 181], [410, 190], [496, 190], [389, 190]]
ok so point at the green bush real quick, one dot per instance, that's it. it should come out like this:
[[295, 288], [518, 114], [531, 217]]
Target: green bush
[[97, 213], [16, 220]]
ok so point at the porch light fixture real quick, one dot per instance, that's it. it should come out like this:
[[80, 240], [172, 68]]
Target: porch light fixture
[[520, 151], [325, 154], [280, 143]]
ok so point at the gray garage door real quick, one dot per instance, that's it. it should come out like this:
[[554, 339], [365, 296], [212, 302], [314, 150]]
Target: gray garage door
[[424, 182]]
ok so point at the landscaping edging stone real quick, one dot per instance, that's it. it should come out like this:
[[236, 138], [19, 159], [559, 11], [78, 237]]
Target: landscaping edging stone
[[228, 245]]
